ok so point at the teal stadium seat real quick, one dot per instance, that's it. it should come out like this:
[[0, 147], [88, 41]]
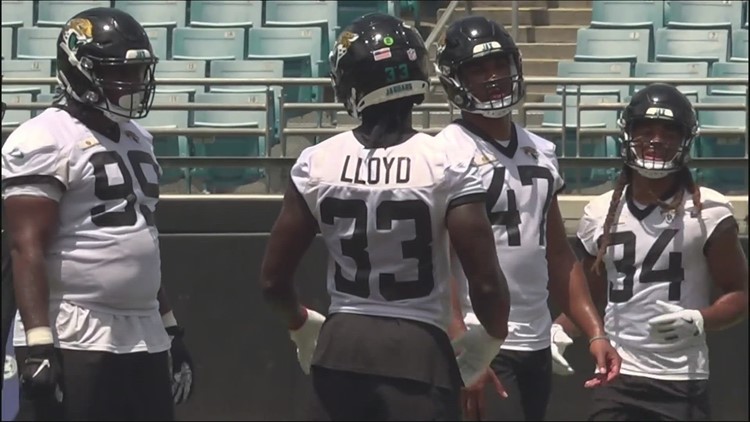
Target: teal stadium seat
[[712, 14], [729, 70], [159, 38], [226, 14], [27, 69], [617, 45], [590, 145], [17, 13], [595, 70], [173, 69], [8, 41], [349, 10], [686, 70], [170, 145], [739, 46], [13, 118], [208, 44], [691, 45], [301, 13], [56, 13], [630, 14], [226, 179], [37, 43], [724, 179], [155, 12]]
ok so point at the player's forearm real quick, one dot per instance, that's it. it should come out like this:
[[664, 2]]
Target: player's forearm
[[282, 297], [726, 311], [572, 294], [490, 300], [164, 306], [568, 326], [31, 287]]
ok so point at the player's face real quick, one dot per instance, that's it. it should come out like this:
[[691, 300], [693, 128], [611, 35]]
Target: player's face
[[488, 78], [656, 140], [120, 82]]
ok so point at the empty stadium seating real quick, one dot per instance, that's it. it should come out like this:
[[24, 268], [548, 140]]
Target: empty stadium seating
[[170, 145], [56, 13], [27, 69], [599, 70], [17, 13], [226, 14], [633, 45], [630, 14], [729, 70], [705, 14], [685, 70], [725, 179], [692, 44]]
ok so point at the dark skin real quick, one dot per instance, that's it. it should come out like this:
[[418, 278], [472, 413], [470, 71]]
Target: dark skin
[[567, 282], [724, 250], [470, 233]]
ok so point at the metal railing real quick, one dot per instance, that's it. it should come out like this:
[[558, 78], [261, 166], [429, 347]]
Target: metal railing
[[285, 131]]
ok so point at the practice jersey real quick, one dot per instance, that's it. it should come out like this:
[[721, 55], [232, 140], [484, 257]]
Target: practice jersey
[[104, 257], [521, 178], [381, 213], [655, 255]]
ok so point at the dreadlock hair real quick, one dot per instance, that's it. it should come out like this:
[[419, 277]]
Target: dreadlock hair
[[625, 178]]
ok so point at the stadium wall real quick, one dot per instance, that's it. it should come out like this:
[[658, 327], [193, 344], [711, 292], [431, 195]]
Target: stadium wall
[[212, 248]]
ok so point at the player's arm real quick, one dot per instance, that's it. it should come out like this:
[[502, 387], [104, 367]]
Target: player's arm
[[727, 265], [291, 235], [567, 280], [597, 286]]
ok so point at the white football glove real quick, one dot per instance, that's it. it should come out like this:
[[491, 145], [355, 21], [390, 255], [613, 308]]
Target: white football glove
[[306, 338], [677, 323], [475, 349], [560, 341]]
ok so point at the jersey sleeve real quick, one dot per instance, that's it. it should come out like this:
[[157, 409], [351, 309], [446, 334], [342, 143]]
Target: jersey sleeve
[[587, 229], [32, 156], [717, 212], [549, 151], [463, 180]]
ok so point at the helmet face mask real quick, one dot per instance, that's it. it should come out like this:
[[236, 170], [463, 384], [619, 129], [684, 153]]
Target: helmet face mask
[[657, 130], [376, 59], [480, 67], [105, 60]]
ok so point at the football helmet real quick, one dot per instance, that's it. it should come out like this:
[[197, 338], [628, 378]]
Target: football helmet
[[478, 38], [105, 60], [376, 59], [657, 102]]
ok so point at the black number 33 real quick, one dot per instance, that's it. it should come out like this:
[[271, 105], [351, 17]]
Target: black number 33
[[123, 191]]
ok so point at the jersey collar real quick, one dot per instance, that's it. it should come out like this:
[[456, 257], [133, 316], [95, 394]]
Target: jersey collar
[[508, 151], [640, 214]]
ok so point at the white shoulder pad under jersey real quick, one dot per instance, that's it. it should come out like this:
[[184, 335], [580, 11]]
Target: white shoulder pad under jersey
[[655, 255], [382, 214], [105, 253], [522, 178]]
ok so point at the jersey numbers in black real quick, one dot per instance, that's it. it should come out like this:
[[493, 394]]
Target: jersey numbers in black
[[124, 191], [674, 274], [511, 218], [355, 247]]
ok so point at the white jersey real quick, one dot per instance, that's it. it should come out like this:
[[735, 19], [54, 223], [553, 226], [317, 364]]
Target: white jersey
[[654, 256], [521, 178], [104, 259], [382, 214]]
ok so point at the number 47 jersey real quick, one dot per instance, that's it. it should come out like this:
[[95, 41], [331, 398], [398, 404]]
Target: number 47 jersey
[[382, 214], [105, 254]]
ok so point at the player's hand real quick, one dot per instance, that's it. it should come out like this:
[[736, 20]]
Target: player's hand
[[608, 362], [676, 323], [475, 349], [472, 397], [560, 341], [306, 338], [41, 371], [181, 365]]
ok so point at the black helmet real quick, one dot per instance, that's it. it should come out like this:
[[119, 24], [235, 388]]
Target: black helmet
[[658, 102], [105, 59], [472, 38], [378, 58]]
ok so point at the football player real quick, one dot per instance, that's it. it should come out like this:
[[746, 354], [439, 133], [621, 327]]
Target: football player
[[384, 198], [479, 66], [654, 246], [80, 184]]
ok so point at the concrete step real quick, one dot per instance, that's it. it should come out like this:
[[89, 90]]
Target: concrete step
[[540, 67], [534, 3], [556, 33], [562, 51], [528, 15]]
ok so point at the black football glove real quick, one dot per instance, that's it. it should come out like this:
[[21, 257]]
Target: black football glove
[[181, 365], [41, 373]]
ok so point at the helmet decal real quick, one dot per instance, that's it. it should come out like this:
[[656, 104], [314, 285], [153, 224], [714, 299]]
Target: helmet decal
[[78, 31]]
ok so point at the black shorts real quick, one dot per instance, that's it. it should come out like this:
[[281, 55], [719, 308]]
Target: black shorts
[[350, 396], [527, 377], [106, 386], [632, 398]]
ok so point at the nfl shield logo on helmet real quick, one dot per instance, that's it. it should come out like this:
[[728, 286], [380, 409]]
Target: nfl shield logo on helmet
[[412, 54]]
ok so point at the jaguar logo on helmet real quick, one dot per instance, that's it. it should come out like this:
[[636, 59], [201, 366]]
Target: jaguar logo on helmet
[[441, 44], [342, 46], [78, 31]]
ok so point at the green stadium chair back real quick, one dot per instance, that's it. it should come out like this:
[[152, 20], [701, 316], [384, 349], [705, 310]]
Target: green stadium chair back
[[169, 69], [723, 179], [631, 14], [595, 70], [739, 46], [170, 145], [27, 69], [155, 12], [208, 44], [692, 45], [8, 43], [37, 43], [729, 70], [17, 13], [159, 38], [686, 70], [632, 45], [13, 118], [226, 14], [685, 14], [350, 10], [56, 13]]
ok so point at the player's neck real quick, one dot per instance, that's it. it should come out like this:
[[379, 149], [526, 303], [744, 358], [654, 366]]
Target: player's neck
[[497, 129], [644, 189]]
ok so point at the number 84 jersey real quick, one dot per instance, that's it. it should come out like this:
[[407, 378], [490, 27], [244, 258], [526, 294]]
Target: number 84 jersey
[[105, 254], [521, 177], [655, 255]]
